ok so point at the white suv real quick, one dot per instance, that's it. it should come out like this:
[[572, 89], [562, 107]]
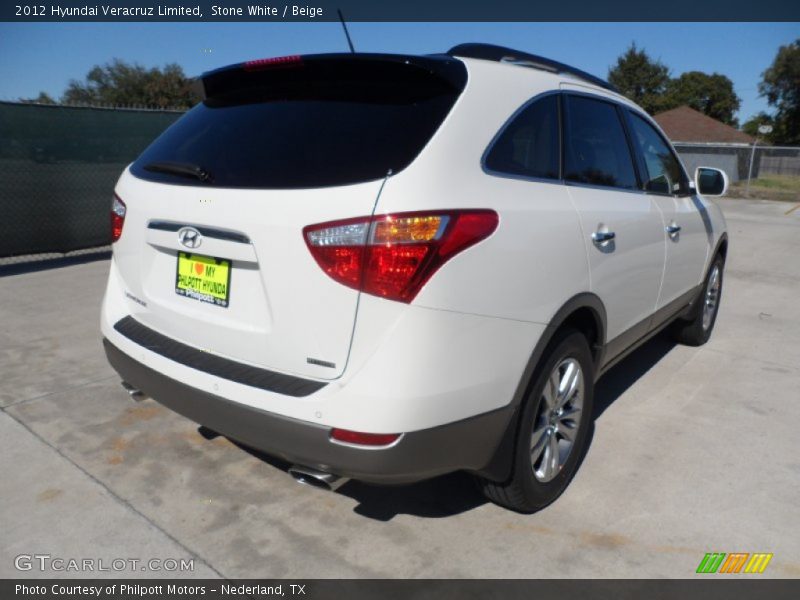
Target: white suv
[[390, 267]]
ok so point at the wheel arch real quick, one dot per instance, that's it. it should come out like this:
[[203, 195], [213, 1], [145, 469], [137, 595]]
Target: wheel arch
[[584, 312], [721, 248]]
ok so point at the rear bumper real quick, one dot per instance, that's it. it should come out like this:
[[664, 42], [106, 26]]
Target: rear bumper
[[468, 444]]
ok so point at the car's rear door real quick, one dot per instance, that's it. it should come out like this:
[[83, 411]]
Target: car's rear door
[[622, 227]]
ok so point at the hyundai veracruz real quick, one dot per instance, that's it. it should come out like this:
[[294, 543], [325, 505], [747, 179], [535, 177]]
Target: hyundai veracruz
[[389, 267]]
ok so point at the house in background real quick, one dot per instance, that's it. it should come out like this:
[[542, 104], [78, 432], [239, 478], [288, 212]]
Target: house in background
[[705, 142]]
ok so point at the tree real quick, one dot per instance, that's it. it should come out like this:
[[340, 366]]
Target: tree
[[781, 85], [751, 126], [42, 98], [120, 83], [712, 95], [640, 78]]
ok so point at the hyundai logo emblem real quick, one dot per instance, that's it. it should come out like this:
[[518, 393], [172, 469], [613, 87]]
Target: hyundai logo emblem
[[190, 237]]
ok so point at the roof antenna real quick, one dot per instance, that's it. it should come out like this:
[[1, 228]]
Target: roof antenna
[[346, 33]]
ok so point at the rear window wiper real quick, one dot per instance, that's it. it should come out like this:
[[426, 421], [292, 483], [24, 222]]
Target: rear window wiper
[[181, 170]]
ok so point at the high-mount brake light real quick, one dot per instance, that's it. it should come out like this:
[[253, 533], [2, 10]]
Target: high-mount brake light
[[260, 64], [118, 210], [393, 256]]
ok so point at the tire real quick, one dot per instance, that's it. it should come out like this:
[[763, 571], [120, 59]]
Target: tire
[[534, 481], [697, 331]]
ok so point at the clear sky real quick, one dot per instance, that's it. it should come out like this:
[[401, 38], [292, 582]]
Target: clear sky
[[45, 56]]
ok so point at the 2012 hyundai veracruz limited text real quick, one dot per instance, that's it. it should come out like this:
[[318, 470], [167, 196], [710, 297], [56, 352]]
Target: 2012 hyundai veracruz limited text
[[390, 267]]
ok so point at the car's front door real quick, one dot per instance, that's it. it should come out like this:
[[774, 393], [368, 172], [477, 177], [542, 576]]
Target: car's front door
[[685, 219]]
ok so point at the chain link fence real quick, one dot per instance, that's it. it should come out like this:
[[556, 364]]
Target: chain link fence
[[760, 171], [778, 160], [58, 168], [59, 164]]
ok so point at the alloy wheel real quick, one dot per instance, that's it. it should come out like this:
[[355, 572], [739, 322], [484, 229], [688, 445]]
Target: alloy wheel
[[711, 300], [558, 420]]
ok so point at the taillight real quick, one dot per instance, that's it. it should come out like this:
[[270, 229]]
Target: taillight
[[393, 256], [117, 218], [364, 439]]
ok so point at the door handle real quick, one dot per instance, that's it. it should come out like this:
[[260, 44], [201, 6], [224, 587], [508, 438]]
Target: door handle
[[673, 229], [599, 237]]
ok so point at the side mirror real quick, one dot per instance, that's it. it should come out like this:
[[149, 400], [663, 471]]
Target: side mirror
[[710, 182]]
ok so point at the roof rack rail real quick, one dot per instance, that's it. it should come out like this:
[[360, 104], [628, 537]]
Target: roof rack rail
[[515, 57]]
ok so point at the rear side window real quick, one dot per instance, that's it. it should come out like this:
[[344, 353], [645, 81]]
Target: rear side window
[[596, 149], [663, 172], [317, 125], [529, 145]]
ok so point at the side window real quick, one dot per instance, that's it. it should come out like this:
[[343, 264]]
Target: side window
[[664, 174], [529, 145], [597, 150]]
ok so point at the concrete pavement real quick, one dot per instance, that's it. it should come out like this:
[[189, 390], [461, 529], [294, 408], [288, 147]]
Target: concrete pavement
[[694, 450]]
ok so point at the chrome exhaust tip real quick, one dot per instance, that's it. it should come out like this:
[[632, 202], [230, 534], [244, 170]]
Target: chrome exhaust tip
[[318, 479], [135, 394]]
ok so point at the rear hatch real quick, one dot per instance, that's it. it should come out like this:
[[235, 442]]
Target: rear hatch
[[212, 251]]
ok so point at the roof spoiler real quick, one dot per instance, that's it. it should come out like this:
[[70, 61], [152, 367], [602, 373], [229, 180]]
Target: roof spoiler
[[523, 59], [442, 68]]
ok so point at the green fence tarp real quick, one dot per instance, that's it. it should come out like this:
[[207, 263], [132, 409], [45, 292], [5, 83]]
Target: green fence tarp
[[58, 168]]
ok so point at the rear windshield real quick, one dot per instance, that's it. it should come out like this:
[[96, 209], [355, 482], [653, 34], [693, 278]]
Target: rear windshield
[[303, 127]]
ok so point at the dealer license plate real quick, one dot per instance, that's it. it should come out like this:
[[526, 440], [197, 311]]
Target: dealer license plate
[[204, 278]]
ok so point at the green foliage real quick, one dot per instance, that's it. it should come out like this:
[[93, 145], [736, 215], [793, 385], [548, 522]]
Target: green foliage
[[712, 95], [42, 98], [781, 85], [119, 83], [640, 78], [751, 126], [647, 82]]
